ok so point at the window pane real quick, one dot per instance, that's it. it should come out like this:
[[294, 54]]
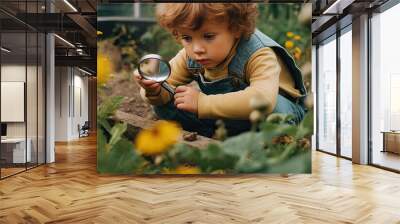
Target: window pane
[[31, 97], [14, 153], [345, 94], [327, 96], [385, 86]]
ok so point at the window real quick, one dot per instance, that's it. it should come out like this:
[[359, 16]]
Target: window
[[327, 96], [346, 75], [22, 75], [385, 84]]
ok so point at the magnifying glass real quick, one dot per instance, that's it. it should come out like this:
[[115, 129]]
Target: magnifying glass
[[153, 67]]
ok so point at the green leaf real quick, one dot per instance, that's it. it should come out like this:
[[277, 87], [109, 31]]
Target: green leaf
[[108, 107], [184, 154], [306, 127], [122, 158], [287, 151], [116, 132], [300, 163], [101, 152], [103, 123], [214, 158], [249, 166], [241, 144], [271, 130]]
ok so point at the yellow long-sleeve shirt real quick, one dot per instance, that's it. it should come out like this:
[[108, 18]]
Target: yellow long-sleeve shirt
[[265, 73]]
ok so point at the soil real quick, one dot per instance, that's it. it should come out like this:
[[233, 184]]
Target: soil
[[124, 85]]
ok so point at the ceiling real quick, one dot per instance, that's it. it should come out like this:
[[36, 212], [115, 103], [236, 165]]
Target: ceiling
[[76, 22], [73, 20], [328, 16]]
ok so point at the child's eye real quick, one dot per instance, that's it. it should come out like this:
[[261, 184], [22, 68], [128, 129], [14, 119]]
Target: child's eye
[[186, 38], [209, 36]]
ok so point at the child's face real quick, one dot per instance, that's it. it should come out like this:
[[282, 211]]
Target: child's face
[[210, 44]]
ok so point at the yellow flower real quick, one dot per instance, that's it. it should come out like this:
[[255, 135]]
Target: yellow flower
[[99, 33], [158, 138], [297, 53], [297, 50], [289, 44], [289, 34], [297, 37], [187, 170], [104, 68]]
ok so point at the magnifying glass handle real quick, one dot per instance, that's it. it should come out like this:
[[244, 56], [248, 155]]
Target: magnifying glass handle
[[168, 88]]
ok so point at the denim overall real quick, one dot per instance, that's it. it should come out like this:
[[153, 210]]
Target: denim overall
[[235, 81]]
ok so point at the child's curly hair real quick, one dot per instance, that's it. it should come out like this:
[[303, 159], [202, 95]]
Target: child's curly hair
[[241, 17]]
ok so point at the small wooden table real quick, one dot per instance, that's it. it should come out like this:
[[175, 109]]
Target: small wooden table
[[391, 141]]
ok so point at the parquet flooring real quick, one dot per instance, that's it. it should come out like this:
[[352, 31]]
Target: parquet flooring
[[70, 191], [9, 171]]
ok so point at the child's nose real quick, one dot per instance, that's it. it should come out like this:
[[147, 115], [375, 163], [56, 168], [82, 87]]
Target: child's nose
[[198, 48]]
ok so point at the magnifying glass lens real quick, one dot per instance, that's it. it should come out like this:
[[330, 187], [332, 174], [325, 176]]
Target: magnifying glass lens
[[154, 69]]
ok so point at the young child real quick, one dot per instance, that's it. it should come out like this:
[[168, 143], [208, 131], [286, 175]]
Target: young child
[[231, 61]]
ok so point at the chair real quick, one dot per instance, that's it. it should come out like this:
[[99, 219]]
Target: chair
[[84, 130]]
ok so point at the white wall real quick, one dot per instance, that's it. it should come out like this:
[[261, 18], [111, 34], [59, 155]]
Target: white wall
[[12, 73], [33, 126], [71, 93], [61, 103]]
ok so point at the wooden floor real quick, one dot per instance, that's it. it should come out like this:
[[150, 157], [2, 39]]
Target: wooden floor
[[70, 191], [10, 171]]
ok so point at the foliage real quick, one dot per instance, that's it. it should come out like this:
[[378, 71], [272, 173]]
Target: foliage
[[134, 41], [124, 39], [277, 148], [158, 40], [279, 20], [276, 20], [114, 153]]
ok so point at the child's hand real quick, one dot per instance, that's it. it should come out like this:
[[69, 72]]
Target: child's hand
[[151, 87], [186, 98]]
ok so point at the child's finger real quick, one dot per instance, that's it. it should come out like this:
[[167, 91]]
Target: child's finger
[[177, 95], [180, 89], [155, 85], [180, 106], [137, 78], [136, 75], [148, 82], [178, 101]]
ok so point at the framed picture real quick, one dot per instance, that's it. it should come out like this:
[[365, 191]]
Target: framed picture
[[204, 88]]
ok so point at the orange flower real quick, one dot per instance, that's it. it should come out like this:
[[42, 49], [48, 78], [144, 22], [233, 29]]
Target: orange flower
[[297, 37], [158, 138], [289, 34], [289, 44], [297, 55]]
